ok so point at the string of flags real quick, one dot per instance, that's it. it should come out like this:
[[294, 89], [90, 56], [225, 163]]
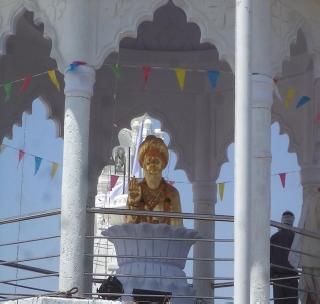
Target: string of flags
[[37, 160], [180, 73], [220, 186], [114, 178], [282, 178], [291, 96]]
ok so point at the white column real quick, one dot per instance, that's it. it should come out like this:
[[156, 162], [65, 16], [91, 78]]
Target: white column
[[204, 199], [310, 180], [78, 91], [204, 196], [262, 94], [242, 152], [262, 98]]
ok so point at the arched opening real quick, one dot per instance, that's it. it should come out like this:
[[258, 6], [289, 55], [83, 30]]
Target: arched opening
[[31, 172], [27, 56], [287, 197]]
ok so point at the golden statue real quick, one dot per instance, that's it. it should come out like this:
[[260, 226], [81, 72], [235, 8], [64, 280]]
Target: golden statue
[[153, 193]]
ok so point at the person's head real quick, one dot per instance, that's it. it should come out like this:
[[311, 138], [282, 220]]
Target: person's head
[[153, 155], [287, 218]]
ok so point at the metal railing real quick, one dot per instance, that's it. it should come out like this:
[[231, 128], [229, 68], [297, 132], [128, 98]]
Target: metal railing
[[110, 211]]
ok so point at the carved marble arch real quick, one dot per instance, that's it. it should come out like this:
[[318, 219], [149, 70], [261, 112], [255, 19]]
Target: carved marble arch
[[297, 74], [28, 53], [116, 101], [215, 19]]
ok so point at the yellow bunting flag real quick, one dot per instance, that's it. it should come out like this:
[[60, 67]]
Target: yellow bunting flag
[[221, 190], [54, 168], [181, 77], [291, 94], [54, 79]]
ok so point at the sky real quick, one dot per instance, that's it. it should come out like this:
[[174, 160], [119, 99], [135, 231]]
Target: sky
[[22, 192]]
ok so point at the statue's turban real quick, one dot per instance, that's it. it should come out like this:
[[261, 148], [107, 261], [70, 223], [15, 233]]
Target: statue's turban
[[153, 146]]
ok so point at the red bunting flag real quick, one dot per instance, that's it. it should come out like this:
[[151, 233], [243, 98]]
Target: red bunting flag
[[146, 74], [317, 118], [283, 179], [21, 155], [113, 180], [26, 83]]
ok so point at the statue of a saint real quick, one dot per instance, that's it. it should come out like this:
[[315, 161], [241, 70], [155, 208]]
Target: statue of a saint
[[120, 160], [153, 193]]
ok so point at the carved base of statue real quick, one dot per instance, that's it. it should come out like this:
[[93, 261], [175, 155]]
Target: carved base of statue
[[153, 264]]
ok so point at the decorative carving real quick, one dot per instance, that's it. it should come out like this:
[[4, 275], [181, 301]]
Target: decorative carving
[[56, 9], [215, 29], [116, 8], [169, 30], [285, 23], [221, 13]]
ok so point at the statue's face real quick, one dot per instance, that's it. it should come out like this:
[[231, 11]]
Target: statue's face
[[152, 164]]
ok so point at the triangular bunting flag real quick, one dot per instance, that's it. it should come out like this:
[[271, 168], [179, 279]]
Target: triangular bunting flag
[[113, 181], [7, 90], [21, 155], [26, 83], [283, 179], [221, 190], [303, 100], [181, 77], [146, 74], [213, 78], [291, 94], [37, 164], [54, 168], [53, 78], [74, 65], [317, 118], [116, 70]]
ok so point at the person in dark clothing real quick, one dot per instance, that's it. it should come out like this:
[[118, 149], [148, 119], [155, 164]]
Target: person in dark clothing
[[279, 257]]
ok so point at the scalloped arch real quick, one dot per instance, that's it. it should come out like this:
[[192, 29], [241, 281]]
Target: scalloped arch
[[49, 32], [39, 18], [9, 28], [223, 153], [288, 40], [130, 30], [208, 34], [28, 109], [285, 129], [167, 127]]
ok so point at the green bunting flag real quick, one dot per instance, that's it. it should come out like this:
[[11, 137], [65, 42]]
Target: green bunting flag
[[7, 90], [116, 70]]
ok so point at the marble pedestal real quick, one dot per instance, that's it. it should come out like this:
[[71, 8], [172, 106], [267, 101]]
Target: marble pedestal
[[153, 264]]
